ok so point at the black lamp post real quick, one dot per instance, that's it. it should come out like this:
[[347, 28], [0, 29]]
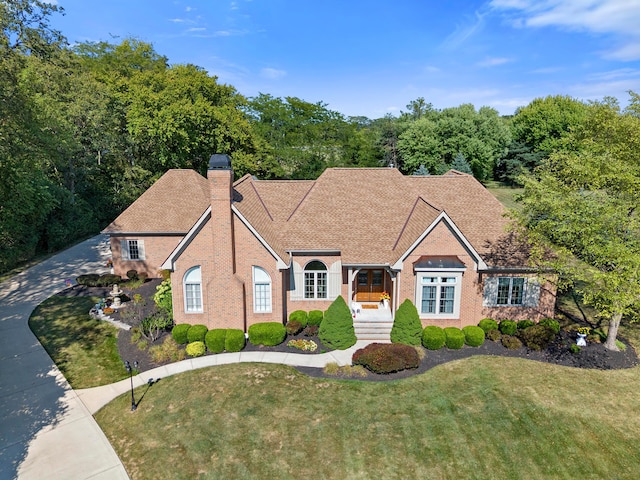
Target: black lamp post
[[127, 365]]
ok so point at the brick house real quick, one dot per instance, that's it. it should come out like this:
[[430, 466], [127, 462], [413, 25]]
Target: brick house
[[255, 250]]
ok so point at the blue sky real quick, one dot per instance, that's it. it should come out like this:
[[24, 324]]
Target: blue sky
[[373, 57]]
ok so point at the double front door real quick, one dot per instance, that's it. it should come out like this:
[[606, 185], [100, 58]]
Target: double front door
[[370, 284]]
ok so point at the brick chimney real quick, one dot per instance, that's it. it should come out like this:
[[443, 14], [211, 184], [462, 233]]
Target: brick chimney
[[225, 289]]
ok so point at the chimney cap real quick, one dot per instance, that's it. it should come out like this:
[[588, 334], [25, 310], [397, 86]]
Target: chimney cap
[[219, 161]]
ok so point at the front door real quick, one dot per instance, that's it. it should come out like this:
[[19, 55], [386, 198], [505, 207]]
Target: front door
[[370, 285]]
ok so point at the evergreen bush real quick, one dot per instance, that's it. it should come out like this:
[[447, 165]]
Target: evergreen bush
[[523, 324], [179, 333], [89, 280], [407, 327], [235, 340], [487, 324], [538, 337], [551, 323], [299, 316], [433, 337], [336, 330], [197, 333], [132, 274], [215, 339], [267, 333], [108, 279], [386, 357], [511, 342], [195, 349], [315, 317], [454, 338], [508, 327], [473, 336], [494, 335]]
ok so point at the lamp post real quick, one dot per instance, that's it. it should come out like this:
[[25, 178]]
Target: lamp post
[[127, 365]]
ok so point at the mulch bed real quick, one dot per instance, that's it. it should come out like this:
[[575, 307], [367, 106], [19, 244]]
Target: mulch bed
[[594, 355]]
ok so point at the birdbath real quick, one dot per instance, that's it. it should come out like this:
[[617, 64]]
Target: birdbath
[[115, 293]]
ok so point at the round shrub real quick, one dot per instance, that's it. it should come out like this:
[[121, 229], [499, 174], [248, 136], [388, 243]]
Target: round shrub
[[235, 340], [494, 335], [299, 316], [511, 342], [551, 323], [132, 274], [293, 327], [473, 336], [315, 317], [508, 327], [179, 333], [195, 349], [538, 337], [197, 333], [214, 340], [267, 333], [386, 357], [433, 337], [455, 338], [523, 324], [90, 280], [310, 330], [487, 324]]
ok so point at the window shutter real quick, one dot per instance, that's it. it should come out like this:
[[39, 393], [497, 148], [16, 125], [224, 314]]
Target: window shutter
[[141, 250], [531, 292], [297, 282], [334, 280], [124, 249], [490, 294]]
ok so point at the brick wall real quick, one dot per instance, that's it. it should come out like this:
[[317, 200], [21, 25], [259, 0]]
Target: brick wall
[[157, 249]]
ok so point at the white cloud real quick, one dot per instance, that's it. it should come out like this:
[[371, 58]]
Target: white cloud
[[493, 62], [272, 73], [463, 32], [196, 29]]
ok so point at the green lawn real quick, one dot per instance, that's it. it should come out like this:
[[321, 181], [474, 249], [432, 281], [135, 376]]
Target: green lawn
[[504, 193], [85, 350], [483, 417]]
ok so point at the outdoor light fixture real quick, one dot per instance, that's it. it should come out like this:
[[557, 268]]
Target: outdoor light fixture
[[127, 365]]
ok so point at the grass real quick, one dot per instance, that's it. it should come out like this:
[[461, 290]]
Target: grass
[[504, 193], [477, 418], [84, 349]]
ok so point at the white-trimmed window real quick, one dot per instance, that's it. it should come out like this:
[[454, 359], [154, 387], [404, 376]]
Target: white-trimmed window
[[193, 290], [315, 280], [438, 294], [261, 291], [132, 249], [510, 291]]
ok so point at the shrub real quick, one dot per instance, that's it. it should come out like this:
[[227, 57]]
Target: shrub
[[89, 280], [152, 326], [179, 333], [304, 345], [214, 339], [336, 330], [488, 324], [494, 335], [551, 323], [195, 349], [142, 277], [508, 327], [433, 337], [107, 280], [315, 317], [235, 340], [293, 327], [523, 324], [386, 357], [454, 338], [473, 336], [132, 274], [310, 331], [197, 333], [163, 298], [267, 333], [511, 342], [537, 337], [299, 316], [407, 328], [574, 348], [167, 351]]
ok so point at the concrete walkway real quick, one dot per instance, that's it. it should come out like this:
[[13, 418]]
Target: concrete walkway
[[45, 430]]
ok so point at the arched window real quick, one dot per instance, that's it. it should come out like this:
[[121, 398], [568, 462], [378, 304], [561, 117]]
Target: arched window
[[261, 291], [193, 290], [315, 280]]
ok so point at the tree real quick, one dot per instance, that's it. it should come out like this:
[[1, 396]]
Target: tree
[[336, 329], [407, 327], [460, 164], [584, 203]]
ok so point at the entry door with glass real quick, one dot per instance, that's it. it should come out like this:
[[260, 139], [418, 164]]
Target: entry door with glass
[[370, 285]]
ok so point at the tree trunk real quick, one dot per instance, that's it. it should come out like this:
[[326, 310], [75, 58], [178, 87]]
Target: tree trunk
[[614, 323]]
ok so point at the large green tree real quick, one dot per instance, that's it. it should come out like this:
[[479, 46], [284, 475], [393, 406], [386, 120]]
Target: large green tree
[[584, 203]]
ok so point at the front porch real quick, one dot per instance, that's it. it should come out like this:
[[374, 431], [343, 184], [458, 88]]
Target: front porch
[[370, 323]]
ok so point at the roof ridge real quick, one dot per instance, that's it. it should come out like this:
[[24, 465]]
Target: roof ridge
[[261, 200], [406, 222], [302, 200]]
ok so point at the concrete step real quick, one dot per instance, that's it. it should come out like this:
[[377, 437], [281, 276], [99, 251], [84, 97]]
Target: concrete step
[[377, 337]]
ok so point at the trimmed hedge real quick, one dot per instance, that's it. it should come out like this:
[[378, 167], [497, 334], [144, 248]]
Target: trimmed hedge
[[386, 357], [95, 280], [315, 317], [511, 342], [179, 333], [551, 323], [336, 330], [407, 328], [538, 337], [473, 336], [269, 334], [433, 337], [195, 349], [215, 340], [197, 333], [299, 316], [455, 338], [494, 335], [523, 324], [487, 324], [89, 280], [508, 327], [235, 340]]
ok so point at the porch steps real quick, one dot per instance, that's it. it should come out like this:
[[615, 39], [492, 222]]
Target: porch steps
[[373, 327]]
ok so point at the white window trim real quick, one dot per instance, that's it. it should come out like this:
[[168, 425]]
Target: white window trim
[[196, 280], [257, 281], [456, 296], [530, 292], [315, 282], [125, 250]]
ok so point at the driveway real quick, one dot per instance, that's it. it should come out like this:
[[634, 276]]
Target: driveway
[[45, 430]]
